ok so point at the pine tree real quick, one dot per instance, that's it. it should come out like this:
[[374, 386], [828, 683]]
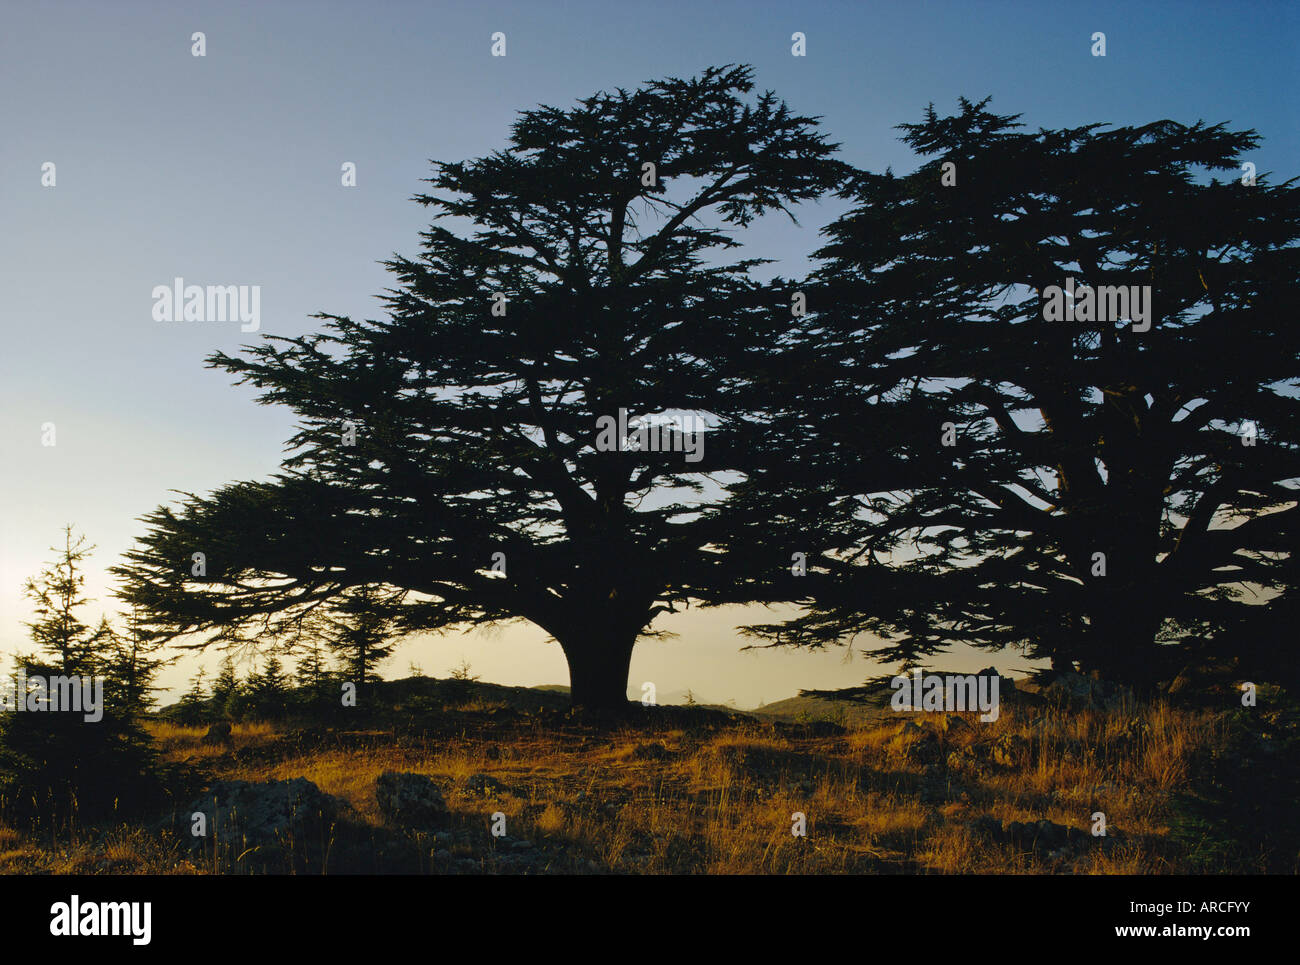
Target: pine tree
[[130, 662], [360, 627], [90, 760], [317, 682], [226, 687], [193, 702], [269, 689], [57, 594]]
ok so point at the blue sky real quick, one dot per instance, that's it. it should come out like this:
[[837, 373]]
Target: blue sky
[[225, 169]]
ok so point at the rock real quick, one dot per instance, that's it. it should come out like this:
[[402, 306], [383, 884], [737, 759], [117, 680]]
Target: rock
[[1046, 838], [1050, 835], [1075, 690], [925, 751], [411, 800], [218, 733], [953, 724], [1206, 678], [483, 784], [653, 751], [909, 728], [259, 813]]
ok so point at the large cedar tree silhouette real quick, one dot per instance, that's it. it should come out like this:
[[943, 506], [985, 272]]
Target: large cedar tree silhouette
[[476, 432], [1112, 498]]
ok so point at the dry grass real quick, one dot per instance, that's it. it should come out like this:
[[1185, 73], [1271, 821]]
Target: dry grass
[[886, 798]]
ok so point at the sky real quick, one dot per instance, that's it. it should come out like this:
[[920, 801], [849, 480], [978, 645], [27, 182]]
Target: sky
[[225, 169]]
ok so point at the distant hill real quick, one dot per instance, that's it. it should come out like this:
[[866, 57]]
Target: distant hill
[[799, 709], [423, 693], [417, 693]]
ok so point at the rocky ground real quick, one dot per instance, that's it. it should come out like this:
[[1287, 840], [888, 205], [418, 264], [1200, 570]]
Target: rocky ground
[[484, 787]]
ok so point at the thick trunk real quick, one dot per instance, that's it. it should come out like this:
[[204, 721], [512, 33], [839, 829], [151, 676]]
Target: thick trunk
[[1126, 599], [598, 669], [1124, 648]]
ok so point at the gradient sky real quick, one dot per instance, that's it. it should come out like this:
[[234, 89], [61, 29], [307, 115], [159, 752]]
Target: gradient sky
[[226, 170]]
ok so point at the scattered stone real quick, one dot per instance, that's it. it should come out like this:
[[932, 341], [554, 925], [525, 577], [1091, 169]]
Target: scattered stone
[[1209, 677], [953, 724], [1077, 691], [483, 785], [411, 800], [259, 812], [1045, 838], [654, 751]]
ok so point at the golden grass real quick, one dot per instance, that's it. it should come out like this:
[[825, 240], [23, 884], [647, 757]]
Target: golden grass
[[883, 798]]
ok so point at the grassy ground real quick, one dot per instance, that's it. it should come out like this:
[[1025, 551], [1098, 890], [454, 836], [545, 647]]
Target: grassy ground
[[1182, 791]]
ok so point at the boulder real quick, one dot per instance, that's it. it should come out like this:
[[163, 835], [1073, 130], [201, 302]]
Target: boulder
[[953, 724], [654, 751], [1080, 692], [262, 812], [1207, 678], [1046, 838], [1007, 688], [910, 728], [411, 800]]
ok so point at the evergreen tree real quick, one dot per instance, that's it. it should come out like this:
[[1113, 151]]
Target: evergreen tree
[[56, 593], [75, 751], [360, 627], [129, 662], [467, 451], [193, 702], [973, 452], [226, 687], [269, 689]]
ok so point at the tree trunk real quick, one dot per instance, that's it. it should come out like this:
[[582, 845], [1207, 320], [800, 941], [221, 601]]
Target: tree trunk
[[598, 668], [1124, 648]]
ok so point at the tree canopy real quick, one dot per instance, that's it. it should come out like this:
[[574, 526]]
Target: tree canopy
[[967, 463], [457, 453]]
